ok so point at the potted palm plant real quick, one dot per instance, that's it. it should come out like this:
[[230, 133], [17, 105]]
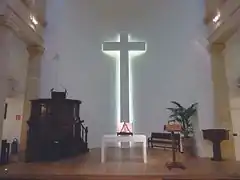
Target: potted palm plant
[[183, 116]]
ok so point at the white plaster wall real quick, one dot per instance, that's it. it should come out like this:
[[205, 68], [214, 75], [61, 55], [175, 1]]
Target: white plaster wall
[[204, 95], [176, 65], [232, 61], [11, 126]]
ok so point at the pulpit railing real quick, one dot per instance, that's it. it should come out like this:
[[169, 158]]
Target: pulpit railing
[[83, 132]]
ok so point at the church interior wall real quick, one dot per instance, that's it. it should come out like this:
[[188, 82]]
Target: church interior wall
[[221, 100], [3, 62], [232, 64], [17, 63], [12, 125], [176, 65]]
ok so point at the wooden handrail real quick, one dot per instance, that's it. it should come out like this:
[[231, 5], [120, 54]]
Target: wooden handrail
[[83, 132]]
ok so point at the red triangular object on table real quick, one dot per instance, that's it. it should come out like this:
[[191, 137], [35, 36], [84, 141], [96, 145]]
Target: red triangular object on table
[[125, 130]]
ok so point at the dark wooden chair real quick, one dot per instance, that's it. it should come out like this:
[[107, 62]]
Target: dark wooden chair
[[163, 140]]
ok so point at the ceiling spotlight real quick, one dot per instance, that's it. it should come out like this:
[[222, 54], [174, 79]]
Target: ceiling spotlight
[[217, 17], [32, 26], [33, 19]]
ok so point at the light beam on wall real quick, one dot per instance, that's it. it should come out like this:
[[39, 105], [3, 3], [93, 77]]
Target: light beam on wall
[[116, 56], [132, 56]]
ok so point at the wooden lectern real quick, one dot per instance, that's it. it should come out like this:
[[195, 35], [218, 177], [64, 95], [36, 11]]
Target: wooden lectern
[[216, 136], [174, 127]]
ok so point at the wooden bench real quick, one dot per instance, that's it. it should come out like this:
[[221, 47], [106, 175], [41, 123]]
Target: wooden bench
[[163, 140]]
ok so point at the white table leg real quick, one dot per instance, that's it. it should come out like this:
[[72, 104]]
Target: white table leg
[[181, 145], [103, 152], [145, 152]]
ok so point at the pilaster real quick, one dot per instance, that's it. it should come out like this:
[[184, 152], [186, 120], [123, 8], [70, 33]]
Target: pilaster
[[32, 87], [4, 56], [221, 97], [34, 66]]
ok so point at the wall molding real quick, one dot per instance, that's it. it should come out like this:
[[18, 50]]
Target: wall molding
[[17, 21], [228, 23]]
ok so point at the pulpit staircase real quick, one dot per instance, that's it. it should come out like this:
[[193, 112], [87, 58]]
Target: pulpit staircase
[[83, 146], [77, 145]]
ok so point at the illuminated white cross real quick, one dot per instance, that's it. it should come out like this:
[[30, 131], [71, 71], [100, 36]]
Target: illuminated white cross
[[124, 45]]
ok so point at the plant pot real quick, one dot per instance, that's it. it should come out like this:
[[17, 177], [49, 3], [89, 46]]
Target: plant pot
[[189, 146]]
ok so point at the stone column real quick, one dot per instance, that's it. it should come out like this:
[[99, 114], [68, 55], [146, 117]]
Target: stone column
[[32, 88], [221, 98], [4, 56]]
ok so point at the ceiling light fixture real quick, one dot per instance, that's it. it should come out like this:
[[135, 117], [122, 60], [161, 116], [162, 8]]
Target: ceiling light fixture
[[217, 17], [33, 19]]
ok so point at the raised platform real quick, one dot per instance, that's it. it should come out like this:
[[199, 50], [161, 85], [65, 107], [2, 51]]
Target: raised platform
[[122, 164]]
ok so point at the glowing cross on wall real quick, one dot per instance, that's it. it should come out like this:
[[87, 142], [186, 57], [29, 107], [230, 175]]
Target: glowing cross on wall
[[124, 49]]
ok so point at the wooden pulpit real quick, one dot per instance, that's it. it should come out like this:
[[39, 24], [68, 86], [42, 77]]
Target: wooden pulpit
[[55, 130], [216, 136]]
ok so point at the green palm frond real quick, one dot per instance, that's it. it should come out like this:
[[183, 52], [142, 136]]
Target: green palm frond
[[183, 116], [177, 104]]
